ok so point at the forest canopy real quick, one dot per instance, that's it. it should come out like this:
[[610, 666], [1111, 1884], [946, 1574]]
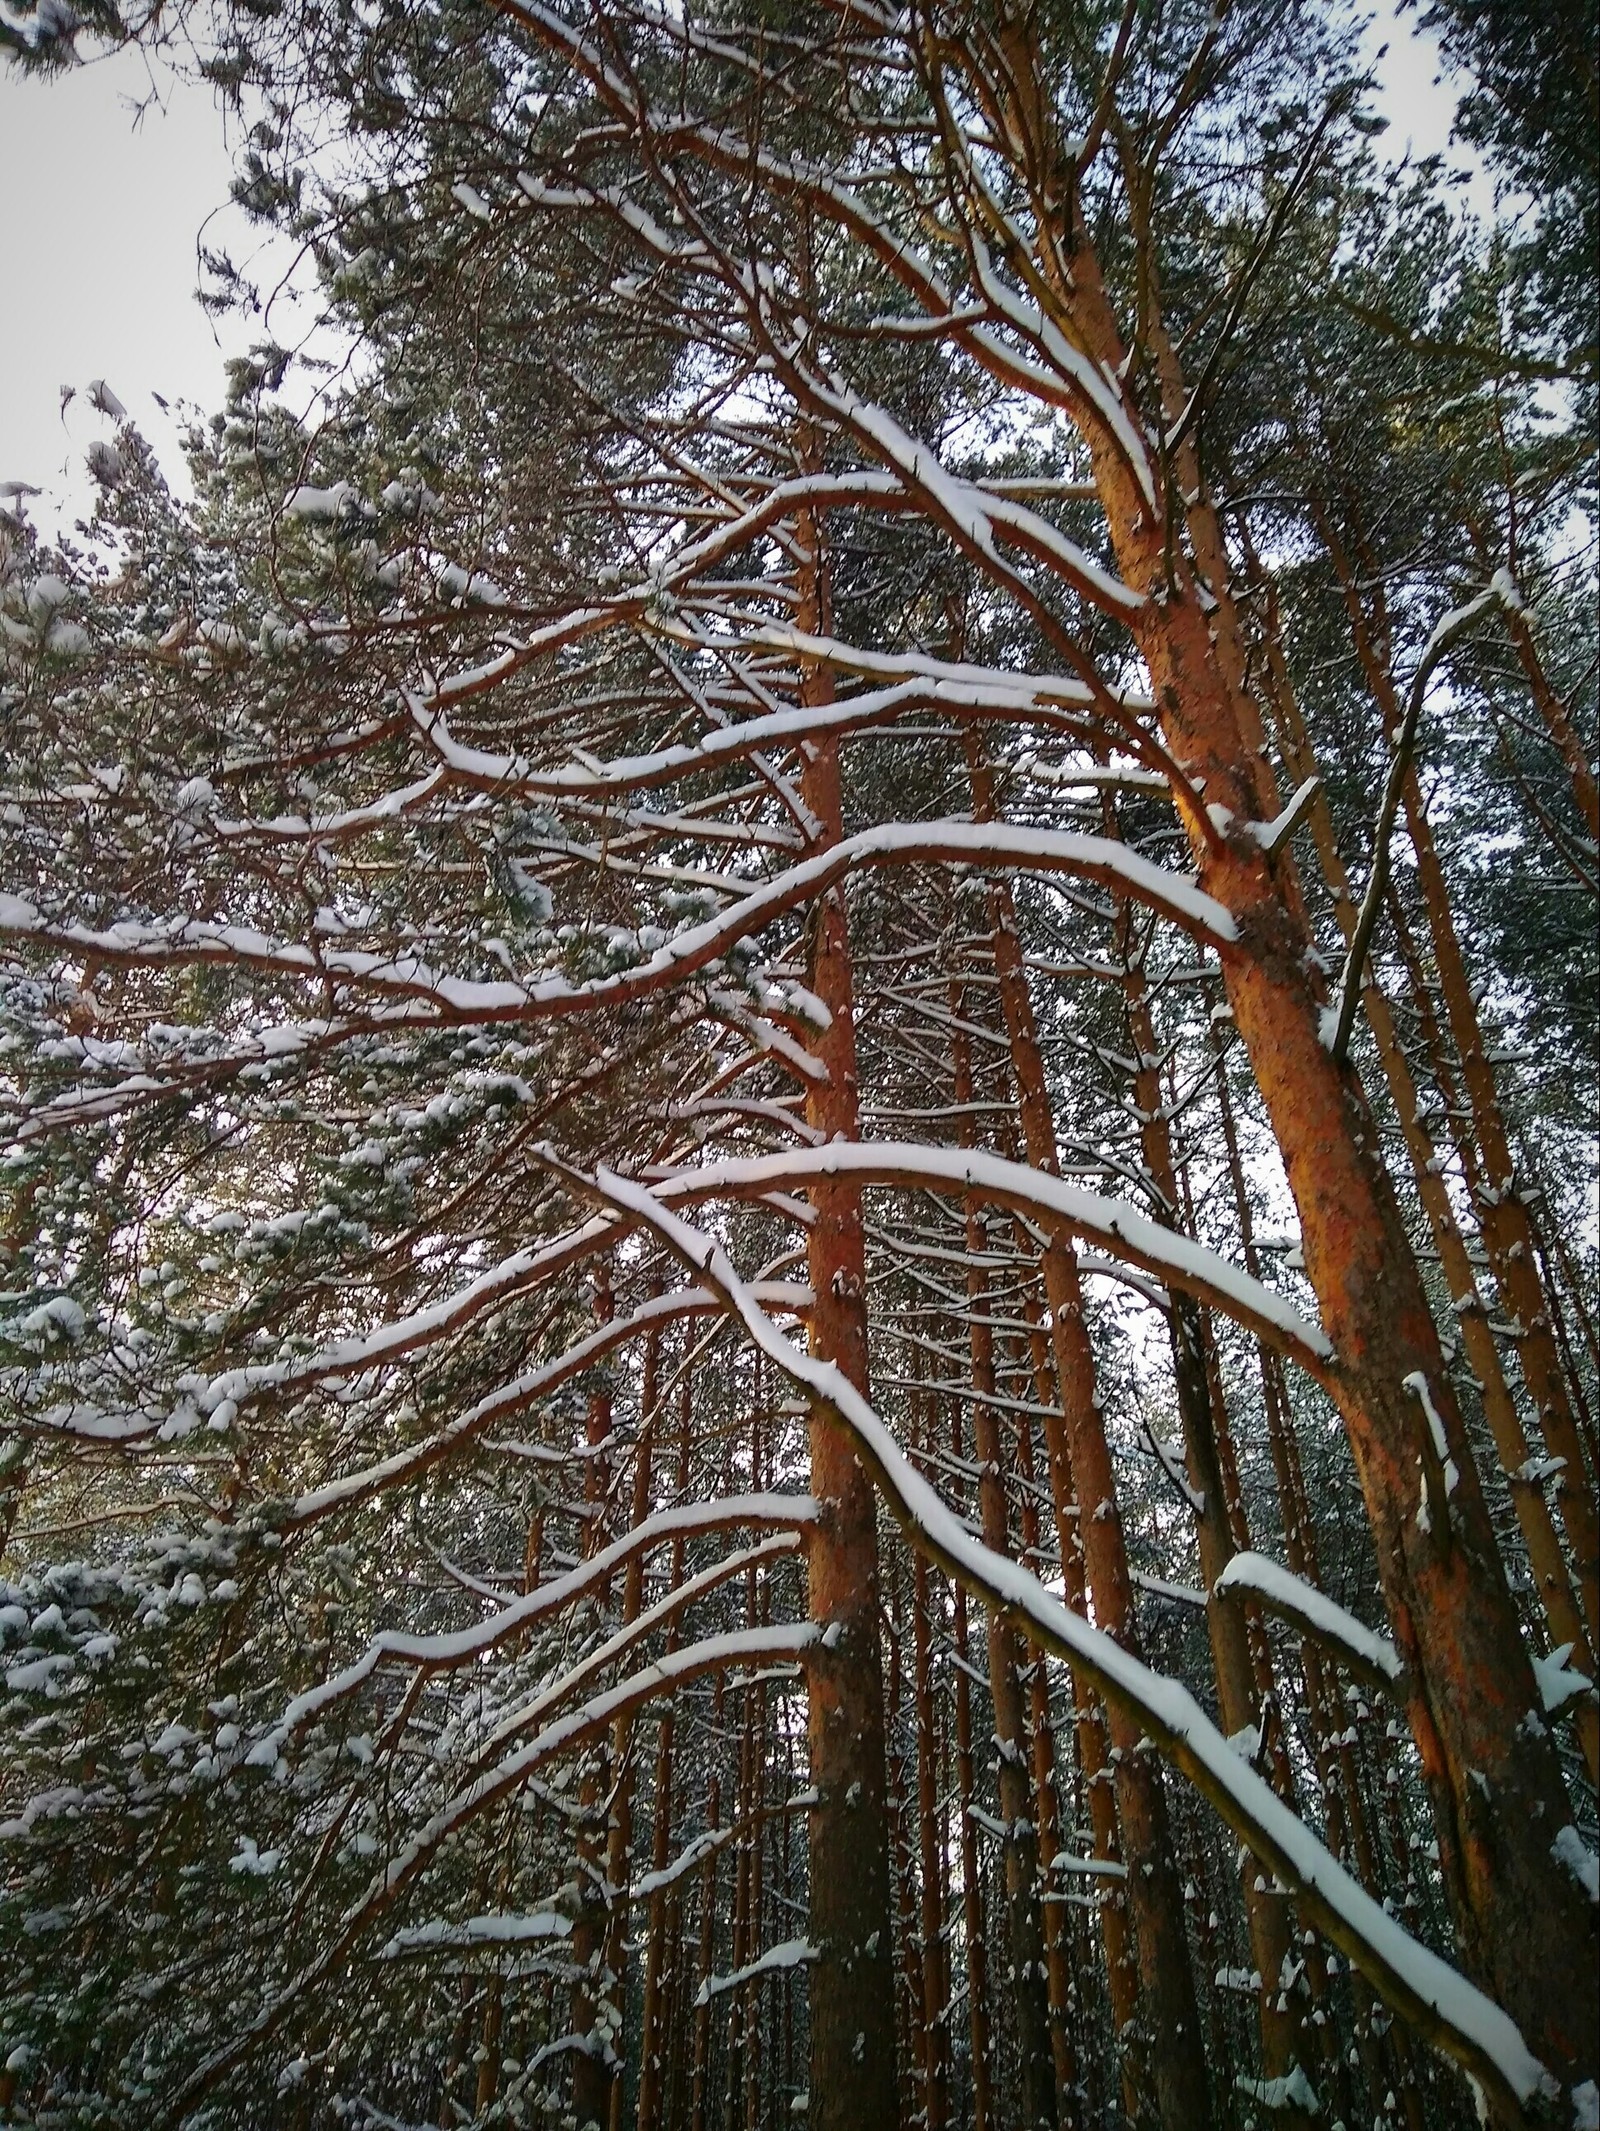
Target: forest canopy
[[798, 1072]]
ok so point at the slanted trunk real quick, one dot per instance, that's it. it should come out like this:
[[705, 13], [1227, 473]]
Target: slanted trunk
[[1095, 1768], [1381, 2045], [1548, 1563], [619, 1839], [1567, 740], [1502, 1216], [909, 1993], [1526, 1927], [700, 2055], [743, 1948]]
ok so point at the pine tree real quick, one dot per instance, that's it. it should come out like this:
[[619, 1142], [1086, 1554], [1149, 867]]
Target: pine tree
[[671, 1073]]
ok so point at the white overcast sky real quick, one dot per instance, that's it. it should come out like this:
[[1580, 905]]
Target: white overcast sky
[[109, 173]]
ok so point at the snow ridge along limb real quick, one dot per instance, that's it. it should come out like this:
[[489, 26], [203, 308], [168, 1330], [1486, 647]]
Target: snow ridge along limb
[[1431, 1995]]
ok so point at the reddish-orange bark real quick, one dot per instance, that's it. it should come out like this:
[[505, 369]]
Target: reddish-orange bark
[[851, 1983], [1444, 1585]]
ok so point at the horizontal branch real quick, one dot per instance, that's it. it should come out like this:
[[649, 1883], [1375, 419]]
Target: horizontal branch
[[1118, 1228], [988, 845]]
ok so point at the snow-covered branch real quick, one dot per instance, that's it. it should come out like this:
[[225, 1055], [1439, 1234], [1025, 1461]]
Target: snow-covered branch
[[1117, 1228], [1373, 1656], [1434, 1997]]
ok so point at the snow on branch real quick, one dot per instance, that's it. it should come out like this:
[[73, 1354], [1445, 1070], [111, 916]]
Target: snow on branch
[[491, 1289], [788, 1513], [1118, 1228], [985, 844], [677, 1600], [166, 1063], [477, 1931], [1372, 1656], [1054, 370], [180, 942], [514, 1397], [792, 1953], [694, 1852], [1426, 1991], [974, 514], [570, 1732], [958, 683], [916, 684]]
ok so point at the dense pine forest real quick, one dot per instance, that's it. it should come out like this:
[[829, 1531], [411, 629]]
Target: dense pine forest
[[798, 1074]]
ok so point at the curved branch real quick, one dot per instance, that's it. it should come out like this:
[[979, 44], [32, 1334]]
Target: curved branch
[[437, 1653], [1172, 895], [1428, 1993], [1451, 629], [1117, 1227]]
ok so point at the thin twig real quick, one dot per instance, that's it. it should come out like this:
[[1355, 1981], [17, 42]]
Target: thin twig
[[1453, 627]]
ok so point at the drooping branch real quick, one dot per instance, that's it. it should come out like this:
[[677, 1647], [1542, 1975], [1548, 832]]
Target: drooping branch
[[1435, 1998]]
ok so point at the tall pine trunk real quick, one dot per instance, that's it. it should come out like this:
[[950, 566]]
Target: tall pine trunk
[[852, 1981], [1083, 1487], [1472, 1687]]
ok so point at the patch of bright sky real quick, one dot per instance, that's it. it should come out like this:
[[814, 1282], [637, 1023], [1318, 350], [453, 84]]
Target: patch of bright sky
[[1418, 94], [113, 176], [115, 173]]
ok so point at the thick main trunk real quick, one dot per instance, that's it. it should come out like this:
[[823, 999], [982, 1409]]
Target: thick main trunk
[[852, 1981], [1493, 1777]]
